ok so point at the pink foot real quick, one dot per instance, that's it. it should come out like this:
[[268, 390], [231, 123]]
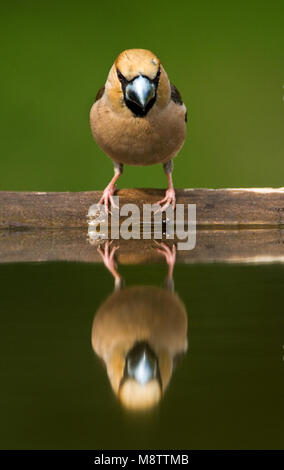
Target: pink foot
[[107, 197], [108, 259], [169, 199], [168, 253]]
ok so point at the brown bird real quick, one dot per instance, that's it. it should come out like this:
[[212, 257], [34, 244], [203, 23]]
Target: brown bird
[[140, 332], [139, 118]]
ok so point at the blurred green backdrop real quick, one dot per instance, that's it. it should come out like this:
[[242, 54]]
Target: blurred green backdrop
[[225, 57]]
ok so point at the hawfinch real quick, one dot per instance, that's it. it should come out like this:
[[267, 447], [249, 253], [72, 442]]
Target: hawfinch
[[140, 332], [139, 118]]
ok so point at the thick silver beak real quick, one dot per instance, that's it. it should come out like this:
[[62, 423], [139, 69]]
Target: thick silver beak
[[141, 365], [140, 91]]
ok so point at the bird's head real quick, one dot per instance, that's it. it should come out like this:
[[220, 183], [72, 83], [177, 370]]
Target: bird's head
[[141, 385], [139, 375], [137, 82]]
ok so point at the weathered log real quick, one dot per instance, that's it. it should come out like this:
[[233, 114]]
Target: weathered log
[[215, 207]]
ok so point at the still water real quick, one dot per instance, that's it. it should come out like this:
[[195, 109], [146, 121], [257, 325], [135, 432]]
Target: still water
[[216, 336]]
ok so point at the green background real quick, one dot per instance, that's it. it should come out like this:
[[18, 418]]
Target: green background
[[226, 58]]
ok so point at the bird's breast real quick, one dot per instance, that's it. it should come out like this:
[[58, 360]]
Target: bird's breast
[[155, 138]]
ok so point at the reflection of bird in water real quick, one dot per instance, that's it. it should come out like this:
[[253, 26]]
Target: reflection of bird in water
[[139, 332]]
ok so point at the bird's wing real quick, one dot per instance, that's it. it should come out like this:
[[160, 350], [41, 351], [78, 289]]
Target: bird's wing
[[100, 93], [176, 98]]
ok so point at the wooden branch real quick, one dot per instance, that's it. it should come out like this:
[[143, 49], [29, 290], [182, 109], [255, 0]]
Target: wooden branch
[[215, 207], [234, 225]]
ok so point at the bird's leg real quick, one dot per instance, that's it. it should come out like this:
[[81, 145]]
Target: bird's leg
[[170, 256], [110, 189], [170, 197], [109, 262]]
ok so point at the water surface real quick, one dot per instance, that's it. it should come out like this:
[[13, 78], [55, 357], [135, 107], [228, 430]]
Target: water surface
[[225, 392]]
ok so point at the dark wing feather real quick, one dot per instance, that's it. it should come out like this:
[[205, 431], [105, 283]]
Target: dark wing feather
[[175, 95], [176, 98], [100, 93]]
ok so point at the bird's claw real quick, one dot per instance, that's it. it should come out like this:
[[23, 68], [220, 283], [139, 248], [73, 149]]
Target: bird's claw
[[108, 255], [168, 200], [107, 198], [167, 252]]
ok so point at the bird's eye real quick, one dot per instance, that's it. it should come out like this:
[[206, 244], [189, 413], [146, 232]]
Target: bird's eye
[[121, 77], [156, 79]]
